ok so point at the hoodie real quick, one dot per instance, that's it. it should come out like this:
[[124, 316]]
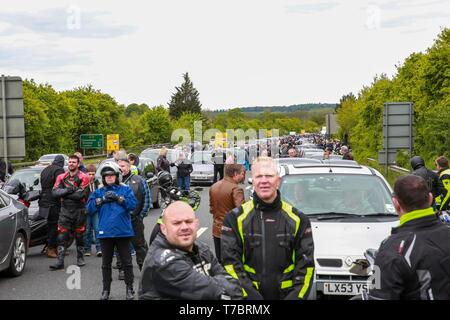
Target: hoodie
[[48, 178]]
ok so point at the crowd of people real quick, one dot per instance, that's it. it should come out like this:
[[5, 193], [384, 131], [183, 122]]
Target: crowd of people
[[264, 247]]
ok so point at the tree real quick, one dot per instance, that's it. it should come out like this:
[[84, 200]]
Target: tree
[[135, 108], [156, 126], [185, 99]]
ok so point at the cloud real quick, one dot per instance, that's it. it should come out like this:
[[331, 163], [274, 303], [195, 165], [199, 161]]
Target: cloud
[[39, 58], [308, 8], [71, 22], [408, 20]]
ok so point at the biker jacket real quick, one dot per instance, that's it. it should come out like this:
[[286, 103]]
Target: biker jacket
[[171, 273], [270, 249], [414, 262]]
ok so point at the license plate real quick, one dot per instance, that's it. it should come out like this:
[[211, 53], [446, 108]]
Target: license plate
[[339, 288], [201, 177]]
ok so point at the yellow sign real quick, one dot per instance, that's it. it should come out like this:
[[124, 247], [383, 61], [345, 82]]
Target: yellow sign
[[269, 134], [112, 142], [303, 131]]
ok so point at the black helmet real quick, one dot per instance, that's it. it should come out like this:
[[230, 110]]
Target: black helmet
[[164, 179], [110, 168], [417, 162]]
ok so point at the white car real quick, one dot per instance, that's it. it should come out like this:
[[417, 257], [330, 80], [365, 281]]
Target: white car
[[350, 209]]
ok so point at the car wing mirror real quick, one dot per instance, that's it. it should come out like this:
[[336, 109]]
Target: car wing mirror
[[250, 181], [36, 182]]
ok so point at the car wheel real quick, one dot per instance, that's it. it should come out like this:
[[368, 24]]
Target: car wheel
[[18, 256], [156, 204]]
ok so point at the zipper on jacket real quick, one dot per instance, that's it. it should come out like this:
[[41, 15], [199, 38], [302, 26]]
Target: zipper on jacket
[[263, 243]]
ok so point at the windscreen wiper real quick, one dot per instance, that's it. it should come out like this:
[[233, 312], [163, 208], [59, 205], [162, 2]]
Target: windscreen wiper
[[333, 215]]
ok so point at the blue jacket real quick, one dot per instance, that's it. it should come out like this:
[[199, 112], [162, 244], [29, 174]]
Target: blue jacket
[[114, 219]]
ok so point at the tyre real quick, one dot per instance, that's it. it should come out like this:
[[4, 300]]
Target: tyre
[[18, 256]]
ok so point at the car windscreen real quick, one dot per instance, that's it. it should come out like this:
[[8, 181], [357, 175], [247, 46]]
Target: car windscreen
[[150, 154], [47, 158], [28, 177], [201, 157], [337, 193]]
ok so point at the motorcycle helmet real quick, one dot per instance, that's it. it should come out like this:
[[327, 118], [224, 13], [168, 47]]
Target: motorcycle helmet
[[110, 168], [13, 187], [417, 162], [164, 179]]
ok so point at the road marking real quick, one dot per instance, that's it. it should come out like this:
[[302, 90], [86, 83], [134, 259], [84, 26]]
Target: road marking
[[200, 231]]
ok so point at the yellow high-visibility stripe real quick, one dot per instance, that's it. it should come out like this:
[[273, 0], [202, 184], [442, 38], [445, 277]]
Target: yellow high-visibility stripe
[[286, 284], [230, 269], [306, 284]]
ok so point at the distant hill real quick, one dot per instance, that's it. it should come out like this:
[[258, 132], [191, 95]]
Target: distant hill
[[292, 108]]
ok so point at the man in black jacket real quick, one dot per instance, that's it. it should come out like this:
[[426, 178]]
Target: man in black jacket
[[266, 243], [142, 194], [49, 207], [435, 185], [177, 267], [414, 262]]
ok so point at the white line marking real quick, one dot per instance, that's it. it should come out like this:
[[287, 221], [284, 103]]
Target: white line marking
[[200, 231]]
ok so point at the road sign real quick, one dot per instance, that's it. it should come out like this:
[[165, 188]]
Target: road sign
[[91, 141], [112, 142], [398, 118], [12, 124]]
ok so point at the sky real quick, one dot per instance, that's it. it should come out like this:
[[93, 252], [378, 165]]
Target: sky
[[237, 52]]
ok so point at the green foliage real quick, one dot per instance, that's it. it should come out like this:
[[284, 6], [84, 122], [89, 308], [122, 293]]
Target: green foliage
[[136, 109], [185, 99], [156, 126], [424, 79]]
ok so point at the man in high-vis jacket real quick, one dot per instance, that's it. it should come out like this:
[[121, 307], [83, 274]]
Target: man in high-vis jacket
[[444, 175], [266, 243]]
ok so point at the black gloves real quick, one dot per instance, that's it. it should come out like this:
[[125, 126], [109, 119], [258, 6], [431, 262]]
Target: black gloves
[[110, 196]]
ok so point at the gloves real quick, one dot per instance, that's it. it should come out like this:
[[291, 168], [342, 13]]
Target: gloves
[[71, 189], [230, 286], [111, 196]]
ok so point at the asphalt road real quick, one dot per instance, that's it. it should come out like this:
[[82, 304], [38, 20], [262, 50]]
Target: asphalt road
[[38, 283]]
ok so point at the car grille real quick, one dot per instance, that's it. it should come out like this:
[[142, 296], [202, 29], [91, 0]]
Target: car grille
[[335, 263], [326, 277]]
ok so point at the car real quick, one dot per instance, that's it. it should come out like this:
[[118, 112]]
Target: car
[[203, 167], [350, 209], [15, 235], [47, 159]]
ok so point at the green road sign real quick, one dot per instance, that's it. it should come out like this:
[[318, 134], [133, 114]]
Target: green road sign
[[91, 141]]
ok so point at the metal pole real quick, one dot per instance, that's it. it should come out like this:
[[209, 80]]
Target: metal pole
[[386, 139], [5, 131]]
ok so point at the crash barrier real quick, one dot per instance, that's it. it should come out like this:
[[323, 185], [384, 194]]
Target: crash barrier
[[393, 167], [137, 149]]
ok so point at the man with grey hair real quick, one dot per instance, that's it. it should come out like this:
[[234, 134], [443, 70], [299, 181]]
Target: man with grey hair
[[346, 154], [266, 243]]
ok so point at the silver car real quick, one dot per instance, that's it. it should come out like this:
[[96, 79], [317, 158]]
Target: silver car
[[203, 167], [14, 235]]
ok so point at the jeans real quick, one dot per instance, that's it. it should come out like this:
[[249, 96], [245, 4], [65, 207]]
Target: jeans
[[184, 182], [123, 246], [90, 236]]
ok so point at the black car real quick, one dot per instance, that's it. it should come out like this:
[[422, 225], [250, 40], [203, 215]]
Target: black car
[[15, 235]]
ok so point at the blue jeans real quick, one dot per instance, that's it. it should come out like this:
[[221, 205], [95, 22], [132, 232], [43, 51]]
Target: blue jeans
[[184, 182], [90, 235]]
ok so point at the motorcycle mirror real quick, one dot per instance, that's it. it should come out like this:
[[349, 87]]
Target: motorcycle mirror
[[150, 175], [250, 180]]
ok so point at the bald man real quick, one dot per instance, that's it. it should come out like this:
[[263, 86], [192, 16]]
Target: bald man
[[178, 267]]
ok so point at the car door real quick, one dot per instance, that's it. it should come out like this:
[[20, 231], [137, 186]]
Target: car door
[[8, 221]]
